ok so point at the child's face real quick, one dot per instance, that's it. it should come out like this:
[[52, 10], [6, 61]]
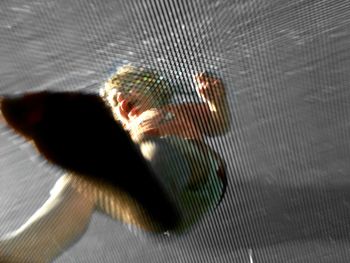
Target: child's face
[[128, 106]]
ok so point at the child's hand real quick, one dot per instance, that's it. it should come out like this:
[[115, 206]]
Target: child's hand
[[159, 122], [209, 88], [146, 123]]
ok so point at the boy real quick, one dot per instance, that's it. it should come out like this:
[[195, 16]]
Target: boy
[[170, 139]]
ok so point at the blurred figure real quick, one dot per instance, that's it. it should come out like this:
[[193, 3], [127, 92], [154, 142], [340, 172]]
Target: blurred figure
[[169, 136]]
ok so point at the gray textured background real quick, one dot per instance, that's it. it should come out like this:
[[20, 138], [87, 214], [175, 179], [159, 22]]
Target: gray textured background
[[285, 65]]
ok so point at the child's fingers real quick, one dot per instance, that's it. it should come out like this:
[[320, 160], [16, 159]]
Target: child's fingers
[[120, 97], [122, 115], [205, 75]]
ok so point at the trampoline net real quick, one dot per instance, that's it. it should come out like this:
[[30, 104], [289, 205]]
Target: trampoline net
[[285, 67]]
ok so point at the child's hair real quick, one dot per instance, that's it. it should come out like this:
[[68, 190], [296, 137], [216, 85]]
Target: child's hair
[[147, 81]]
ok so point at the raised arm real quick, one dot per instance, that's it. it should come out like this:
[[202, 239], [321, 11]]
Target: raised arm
[[189, 120], [213, 116]]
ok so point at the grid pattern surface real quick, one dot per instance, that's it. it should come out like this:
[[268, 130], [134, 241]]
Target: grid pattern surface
[[285, 65]]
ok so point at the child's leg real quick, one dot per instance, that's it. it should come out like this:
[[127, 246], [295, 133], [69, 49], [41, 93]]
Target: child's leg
[[61, 220]]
